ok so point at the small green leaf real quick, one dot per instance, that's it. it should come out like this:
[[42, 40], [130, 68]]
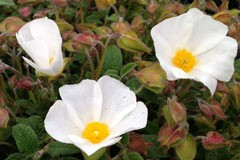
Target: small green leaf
[[35, 122], [188, 150], [57, 149], [25, 138], [7, 3], [127, 69], [113, 59], [112, 73], [132, 156], [15, 156]]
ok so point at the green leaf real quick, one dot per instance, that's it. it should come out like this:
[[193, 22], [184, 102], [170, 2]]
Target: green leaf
[[113, 59], [56, 149], [188, 150], [25, 138], [112, 73], [125, 139], [133, 84], [15, 156], [35, 122], [127, 69], [132, 156], [7, 3]]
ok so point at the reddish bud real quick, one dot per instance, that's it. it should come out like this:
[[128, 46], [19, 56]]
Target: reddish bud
[[61, 3], [153, 6], [214, 140], [4, 117], [177, 110], [221, 87], [86, 39], [25, 11], [137, 144], [218, 111], [41, 13], [206, 110], [25, 83], [172, 136]]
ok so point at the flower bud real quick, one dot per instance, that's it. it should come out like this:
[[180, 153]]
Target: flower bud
[[64, 26], [214, 141], [129, 41], [172, 136], [11, 25], [137, 24], [104, 4], [86, 38], [221, 87], [152, 77], [61, 3], [2, 99], [25, 11], [218, 111], [41, 13], [25, 83], [4, 118], [103, 31], [206, 110], [13, 81], [176, 8], [177, 110], [152, 7], [137, 144], [120, 27]]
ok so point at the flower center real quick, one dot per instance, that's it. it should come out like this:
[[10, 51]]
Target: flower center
[[95, 132], [184, 60], [51, 59]]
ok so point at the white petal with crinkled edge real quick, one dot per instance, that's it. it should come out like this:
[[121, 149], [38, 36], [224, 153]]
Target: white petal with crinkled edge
[[176, 31], [85, 98], [62, 121], [118, 100], [218, 62], [206, 32], [47, 30], [209, 81], [137, 119], [90, 148]]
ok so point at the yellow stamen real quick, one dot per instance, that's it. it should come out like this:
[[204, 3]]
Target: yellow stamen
[[51, 59], [95, 132], [184, 60]]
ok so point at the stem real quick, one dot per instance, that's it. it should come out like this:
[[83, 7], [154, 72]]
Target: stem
[[116, 11], [55, 9], [100, 65], [90, 63], [11, 113], [32, 97], [5, 66]]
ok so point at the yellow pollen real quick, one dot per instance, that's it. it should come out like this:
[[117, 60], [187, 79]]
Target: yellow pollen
[[95, 132], [51, 59], [184, 60]]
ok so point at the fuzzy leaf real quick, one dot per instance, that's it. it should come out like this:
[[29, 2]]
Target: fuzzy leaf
[[25, 138]]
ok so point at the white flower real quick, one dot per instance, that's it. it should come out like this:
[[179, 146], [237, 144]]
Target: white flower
[[93, 115], [42, 41], [195, 46]]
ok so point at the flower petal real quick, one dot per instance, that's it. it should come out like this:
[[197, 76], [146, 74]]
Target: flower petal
[[24, 34], [206, 79], [175, 31], [47, 71], [57, 63], [135, 120], [47, 30], [218, 62], [90, 148], [206, 32], [118, 100], [38, 51], [85, 98], [61, 121]]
